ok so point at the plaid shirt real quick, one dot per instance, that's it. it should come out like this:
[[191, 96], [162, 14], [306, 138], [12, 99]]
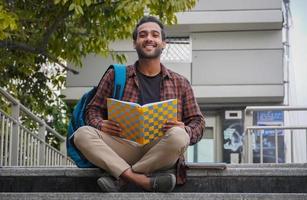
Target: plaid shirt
[[173, 86]]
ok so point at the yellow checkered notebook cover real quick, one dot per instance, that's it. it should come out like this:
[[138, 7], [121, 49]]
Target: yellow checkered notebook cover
[[142, 124]]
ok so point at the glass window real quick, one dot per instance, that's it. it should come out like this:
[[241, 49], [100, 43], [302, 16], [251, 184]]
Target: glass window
[[203, 151]]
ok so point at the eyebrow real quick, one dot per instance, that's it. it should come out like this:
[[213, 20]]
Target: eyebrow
[[151, 31]]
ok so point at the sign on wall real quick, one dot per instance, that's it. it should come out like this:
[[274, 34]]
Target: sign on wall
[[269, 118], [233, 136]]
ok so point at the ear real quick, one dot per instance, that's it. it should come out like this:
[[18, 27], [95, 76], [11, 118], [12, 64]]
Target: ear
[[134, 44], [163, 44]]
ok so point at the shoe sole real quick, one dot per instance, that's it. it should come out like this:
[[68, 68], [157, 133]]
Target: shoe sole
[[173, 181], [102, 182]]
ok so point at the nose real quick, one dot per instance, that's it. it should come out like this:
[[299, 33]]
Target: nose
[[149, 37]]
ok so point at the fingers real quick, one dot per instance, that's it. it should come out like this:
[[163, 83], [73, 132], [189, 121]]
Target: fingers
[[170, 124], [174, 123], [111, 127]]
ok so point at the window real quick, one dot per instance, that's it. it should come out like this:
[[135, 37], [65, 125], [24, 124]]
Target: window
[[203, 151], [178, 49]]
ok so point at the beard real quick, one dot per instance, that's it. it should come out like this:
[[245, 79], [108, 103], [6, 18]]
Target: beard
[[149, 55]]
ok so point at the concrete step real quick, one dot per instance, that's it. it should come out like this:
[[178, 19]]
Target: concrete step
[[266, 178], [152, 196]]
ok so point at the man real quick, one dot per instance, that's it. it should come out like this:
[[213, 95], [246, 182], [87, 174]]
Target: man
[[147, 81]]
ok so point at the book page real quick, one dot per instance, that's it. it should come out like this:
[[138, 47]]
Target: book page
[[159, 102], [155, 116], [124, 102], [128, 115]]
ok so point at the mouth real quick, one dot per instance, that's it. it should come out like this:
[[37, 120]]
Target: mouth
[[149, 46]]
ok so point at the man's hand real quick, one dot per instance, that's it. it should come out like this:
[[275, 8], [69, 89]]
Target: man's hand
[[170, 124], [111, 128]]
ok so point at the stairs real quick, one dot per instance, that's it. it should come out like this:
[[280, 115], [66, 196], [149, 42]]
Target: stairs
[[244, 181], [151, 196]]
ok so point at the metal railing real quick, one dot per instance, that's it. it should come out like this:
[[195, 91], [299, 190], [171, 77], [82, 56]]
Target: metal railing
[[20, 146], [250, 132]]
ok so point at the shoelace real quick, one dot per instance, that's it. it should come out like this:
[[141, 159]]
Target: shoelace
[[155, 185]]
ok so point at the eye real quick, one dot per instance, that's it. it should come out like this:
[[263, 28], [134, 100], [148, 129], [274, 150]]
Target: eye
[[142, 34], [156, 34]]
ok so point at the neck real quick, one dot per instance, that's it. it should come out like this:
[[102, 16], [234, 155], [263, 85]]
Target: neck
[[149, 67]]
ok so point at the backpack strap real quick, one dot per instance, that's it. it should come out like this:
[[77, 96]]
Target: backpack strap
[[119, 80]]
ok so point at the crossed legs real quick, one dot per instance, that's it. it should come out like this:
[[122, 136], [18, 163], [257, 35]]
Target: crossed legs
[[127, 160]]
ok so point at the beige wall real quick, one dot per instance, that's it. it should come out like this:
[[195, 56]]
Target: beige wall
[[237, 53]]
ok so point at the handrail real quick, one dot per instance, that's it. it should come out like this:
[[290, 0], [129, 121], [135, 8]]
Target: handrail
[[274, 108], [21, 146], [30, 114], [29, 132], [276, 127], [291, 131], [8, 96]]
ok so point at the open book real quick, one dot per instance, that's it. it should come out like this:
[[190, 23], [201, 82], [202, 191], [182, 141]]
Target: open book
[[142, 124]]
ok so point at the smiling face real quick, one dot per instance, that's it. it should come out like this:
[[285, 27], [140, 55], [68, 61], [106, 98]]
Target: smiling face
[[149, 43]]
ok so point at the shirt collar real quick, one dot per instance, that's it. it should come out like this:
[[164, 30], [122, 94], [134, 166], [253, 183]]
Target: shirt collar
[[131, 71]]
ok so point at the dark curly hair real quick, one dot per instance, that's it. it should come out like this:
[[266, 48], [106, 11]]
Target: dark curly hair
[[146, 19]]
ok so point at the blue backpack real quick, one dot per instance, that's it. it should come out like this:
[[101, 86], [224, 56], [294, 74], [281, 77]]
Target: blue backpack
[[78, 116]]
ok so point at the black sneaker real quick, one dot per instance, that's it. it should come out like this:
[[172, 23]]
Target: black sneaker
[[110, 184], [163, 183]]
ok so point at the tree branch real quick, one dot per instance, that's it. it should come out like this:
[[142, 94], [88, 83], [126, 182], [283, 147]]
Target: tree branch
[[50, 30], [58, 20], [43, 44], [17, 45], [50, 57], [25, 47]]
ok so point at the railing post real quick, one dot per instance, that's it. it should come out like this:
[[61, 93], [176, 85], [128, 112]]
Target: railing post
[[261, 147], [247, 144], [276, 146], [63, 151], [14, 136], [306, 144], [292, 143], [42, 146], [17, 150]]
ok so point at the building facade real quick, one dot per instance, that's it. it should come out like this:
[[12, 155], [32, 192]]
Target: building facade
[[232, 53]]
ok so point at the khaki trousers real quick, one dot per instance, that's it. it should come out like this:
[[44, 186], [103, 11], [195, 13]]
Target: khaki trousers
[[115, 154]]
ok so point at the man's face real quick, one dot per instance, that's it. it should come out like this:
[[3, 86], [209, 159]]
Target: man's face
[[148, 43]]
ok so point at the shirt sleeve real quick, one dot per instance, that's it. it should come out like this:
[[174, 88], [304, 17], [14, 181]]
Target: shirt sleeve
[[96, 110], [192, 116]]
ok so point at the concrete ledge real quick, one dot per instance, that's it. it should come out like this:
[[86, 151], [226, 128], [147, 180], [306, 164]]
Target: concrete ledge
[[151, 196], [251, 178], [194, 170], [52, 171]]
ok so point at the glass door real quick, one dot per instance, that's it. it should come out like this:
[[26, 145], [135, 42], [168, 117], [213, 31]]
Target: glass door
[[204, 150]]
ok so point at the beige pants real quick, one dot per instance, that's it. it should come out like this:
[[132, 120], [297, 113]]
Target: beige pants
[[115, 155]]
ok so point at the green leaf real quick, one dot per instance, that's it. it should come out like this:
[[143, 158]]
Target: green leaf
[[79, 10], [72, 7], [88, 2], [57, 1]]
